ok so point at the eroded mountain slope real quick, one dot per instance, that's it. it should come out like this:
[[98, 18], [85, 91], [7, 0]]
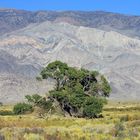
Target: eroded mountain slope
[[27, 50]]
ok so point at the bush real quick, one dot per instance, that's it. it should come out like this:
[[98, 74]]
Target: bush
[[38, 78], [22, 108], [124, 118], [5, 112], [118, 130]]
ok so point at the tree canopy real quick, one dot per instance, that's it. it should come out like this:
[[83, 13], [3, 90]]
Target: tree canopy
[[79, 92]]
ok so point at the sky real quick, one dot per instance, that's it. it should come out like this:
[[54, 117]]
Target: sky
[[131, 7]]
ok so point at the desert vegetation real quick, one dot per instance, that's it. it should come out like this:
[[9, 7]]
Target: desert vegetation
[[76, 109], [77, 93], [120, 121]]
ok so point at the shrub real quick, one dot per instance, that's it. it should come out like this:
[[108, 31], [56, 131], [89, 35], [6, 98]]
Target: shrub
[[22, 108], [5, 112], [124, 118], [38, 78], [118, 130]]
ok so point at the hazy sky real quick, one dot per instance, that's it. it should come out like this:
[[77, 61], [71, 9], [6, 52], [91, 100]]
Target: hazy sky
[[120, 6]]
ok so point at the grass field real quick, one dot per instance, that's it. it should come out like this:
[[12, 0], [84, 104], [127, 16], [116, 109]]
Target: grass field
[[121, 121]]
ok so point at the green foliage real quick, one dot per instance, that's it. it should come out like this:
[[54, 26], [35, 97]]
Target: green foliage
[[93, 106], [45, 104], [1, 104], [55, 70], [77, 89], [34, 99], [22, 108], [39, 78], [105, 86], [37, 100], [60, 95], [6, 112]]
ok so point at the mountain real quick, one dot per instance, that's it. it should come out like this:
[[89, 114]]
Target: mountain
[[25, 51], [12, 19]]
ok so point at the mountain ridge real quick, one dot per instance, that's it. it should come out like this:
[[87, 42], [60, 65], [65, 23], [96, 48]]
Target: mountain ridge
[[16, 19]]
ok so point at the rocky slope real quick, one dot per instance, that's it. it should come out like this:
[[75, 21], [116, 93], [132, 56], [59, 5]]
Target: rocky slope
[[24, 52]]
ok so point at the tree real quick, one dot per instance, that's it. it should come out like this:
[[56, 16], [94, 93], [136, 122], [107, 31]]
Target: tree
[[79, 92]]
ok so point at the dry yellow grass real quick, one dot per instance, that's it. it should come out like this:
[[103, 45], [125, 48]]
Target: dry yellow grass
[[121, 122]]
